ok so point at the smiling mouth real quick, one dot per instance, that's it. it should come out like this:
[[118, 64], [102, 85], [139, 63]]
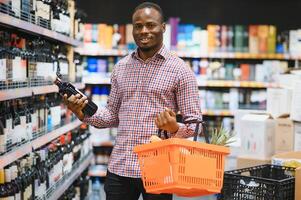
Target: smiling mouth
[[144, 40]]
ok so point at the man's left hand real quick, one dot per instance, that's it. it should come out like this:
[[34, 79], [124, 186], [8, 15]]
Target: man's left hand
[[167, 121]]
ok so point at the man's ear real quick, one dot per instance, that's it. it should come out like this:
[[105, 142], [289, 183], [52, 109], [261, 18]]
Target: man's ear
[[164, 27]]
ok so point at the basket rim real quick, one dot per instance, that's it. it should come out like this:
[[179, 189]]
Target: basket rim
[[256, 177], [181, 142]]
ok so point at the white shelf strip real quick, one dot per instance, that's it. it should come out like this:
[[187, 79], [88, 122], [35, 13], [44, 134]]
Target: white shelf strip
[[27, 92]]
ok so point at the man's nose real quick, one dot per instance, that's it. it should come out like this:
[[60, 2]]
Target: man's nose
[[144, 29]]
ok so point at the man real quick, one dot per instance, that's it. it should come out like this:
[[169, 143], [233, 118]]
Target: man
[[148, 87]]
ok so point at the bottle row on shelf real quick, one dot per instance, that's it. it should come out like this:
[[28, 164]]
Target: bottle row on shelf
[[28, 61], [36, 174], [265, 71], [213, 101], [233, 99], [80, 188], [31, 122], [242, 41], [44, 17]]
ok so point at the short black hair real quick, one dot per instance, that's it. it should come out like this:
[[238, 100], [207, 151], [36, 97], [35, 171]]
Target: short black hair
[[150, 5]]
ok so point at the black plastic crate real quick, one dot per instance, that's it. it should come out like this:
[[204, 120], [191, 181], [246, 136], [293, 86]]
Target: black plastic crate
[[263, 182]]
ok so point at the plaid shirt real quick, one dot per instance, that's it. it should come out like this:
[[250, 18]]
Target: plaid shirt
[[140, 90]]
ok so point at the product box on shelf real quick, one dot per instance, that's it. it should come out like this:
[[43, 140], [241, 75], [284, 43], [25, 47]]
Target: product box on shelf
[[257, 136], [296, 98], [238, 115], [284, 134], [297, 136], [279, 101], [244, 162], [292, 159]]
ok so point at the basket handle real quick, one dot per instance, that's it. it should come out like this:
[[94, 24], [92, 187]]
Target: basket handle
[[204, 130], [198, 122], [165, 133]]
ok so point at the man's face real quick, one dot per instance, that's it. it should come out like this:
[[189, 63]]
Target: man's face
[[148, 29]]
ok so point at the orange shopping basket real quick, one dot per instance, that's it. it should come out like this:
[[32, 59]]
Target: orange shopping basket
[[182, 167]]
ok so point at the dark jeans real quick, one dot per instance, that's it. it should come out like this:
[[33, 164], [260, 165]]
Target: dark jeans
[[125, 188]]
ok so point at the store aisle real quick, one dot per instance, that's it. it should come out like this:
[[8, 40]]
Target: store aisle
[[100, 195]]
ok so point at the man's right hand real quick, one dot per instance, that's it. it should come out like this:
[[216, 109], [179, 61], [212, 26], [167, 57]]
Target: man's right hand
[[76, 103]]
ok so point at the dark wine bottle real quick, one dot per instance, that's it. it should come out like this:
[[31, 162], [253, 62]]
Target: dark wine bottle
[[69, 89]]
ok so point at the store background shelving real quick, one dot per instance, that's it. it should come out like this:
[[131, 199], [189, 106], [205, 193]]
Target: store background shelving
[[27, 27]]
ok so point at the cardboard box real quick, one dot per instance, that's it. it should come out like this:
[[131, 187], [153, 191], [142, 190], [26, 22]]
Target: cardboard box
[[297, 135], [280, 159], [279, 101], [296, 98], [284, 135], [257, 136], [244, 162], [238, 115]]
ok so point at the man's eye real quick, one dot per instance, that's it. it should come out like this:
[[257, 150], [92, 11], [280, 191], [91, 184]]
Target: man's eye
[[137, 26], [150, 26]]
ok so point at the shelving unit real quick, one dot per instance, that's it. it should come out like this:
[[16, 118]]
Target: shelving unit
[[50, 40], [100, 79], [36, 143], [27, 92], [94, 50], [223, 113], [64, 183], [21, 25]]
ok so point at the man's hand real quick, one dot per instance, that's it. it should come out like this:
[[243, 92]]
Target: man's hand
[[167, 121], [76, 104]]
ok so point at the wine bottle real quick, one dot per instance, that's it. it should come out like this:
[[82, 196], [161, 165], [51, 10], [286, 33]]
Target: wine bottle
[[69, 89]]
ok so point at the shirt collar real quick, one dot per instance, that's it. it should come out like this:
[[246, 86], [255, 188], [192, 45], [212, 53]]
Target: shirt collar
[[162, 53]]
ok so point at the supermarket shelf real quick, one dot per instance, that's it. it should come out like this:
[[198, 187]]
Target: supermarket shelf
[[99, 80], [238, 84], [27, 148], [68, 179], [223, 113], [35, 29], [40, 141], [93, 49], [232, 55], [27, 92]]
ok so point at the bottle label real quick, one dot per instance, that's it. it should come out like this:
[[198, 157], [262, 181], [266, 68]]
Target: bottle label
[[56, 115], [19, 69], [29, 131], [17, 134], [2, 69], [2, 143], [23, 126], [34, 121]]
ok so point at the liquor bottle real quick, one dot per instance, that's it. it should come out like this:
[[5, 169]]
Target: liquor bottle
[[69, 89], [42, 172], [9, 186], [2, 129], [16, 182], [4, 193]]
